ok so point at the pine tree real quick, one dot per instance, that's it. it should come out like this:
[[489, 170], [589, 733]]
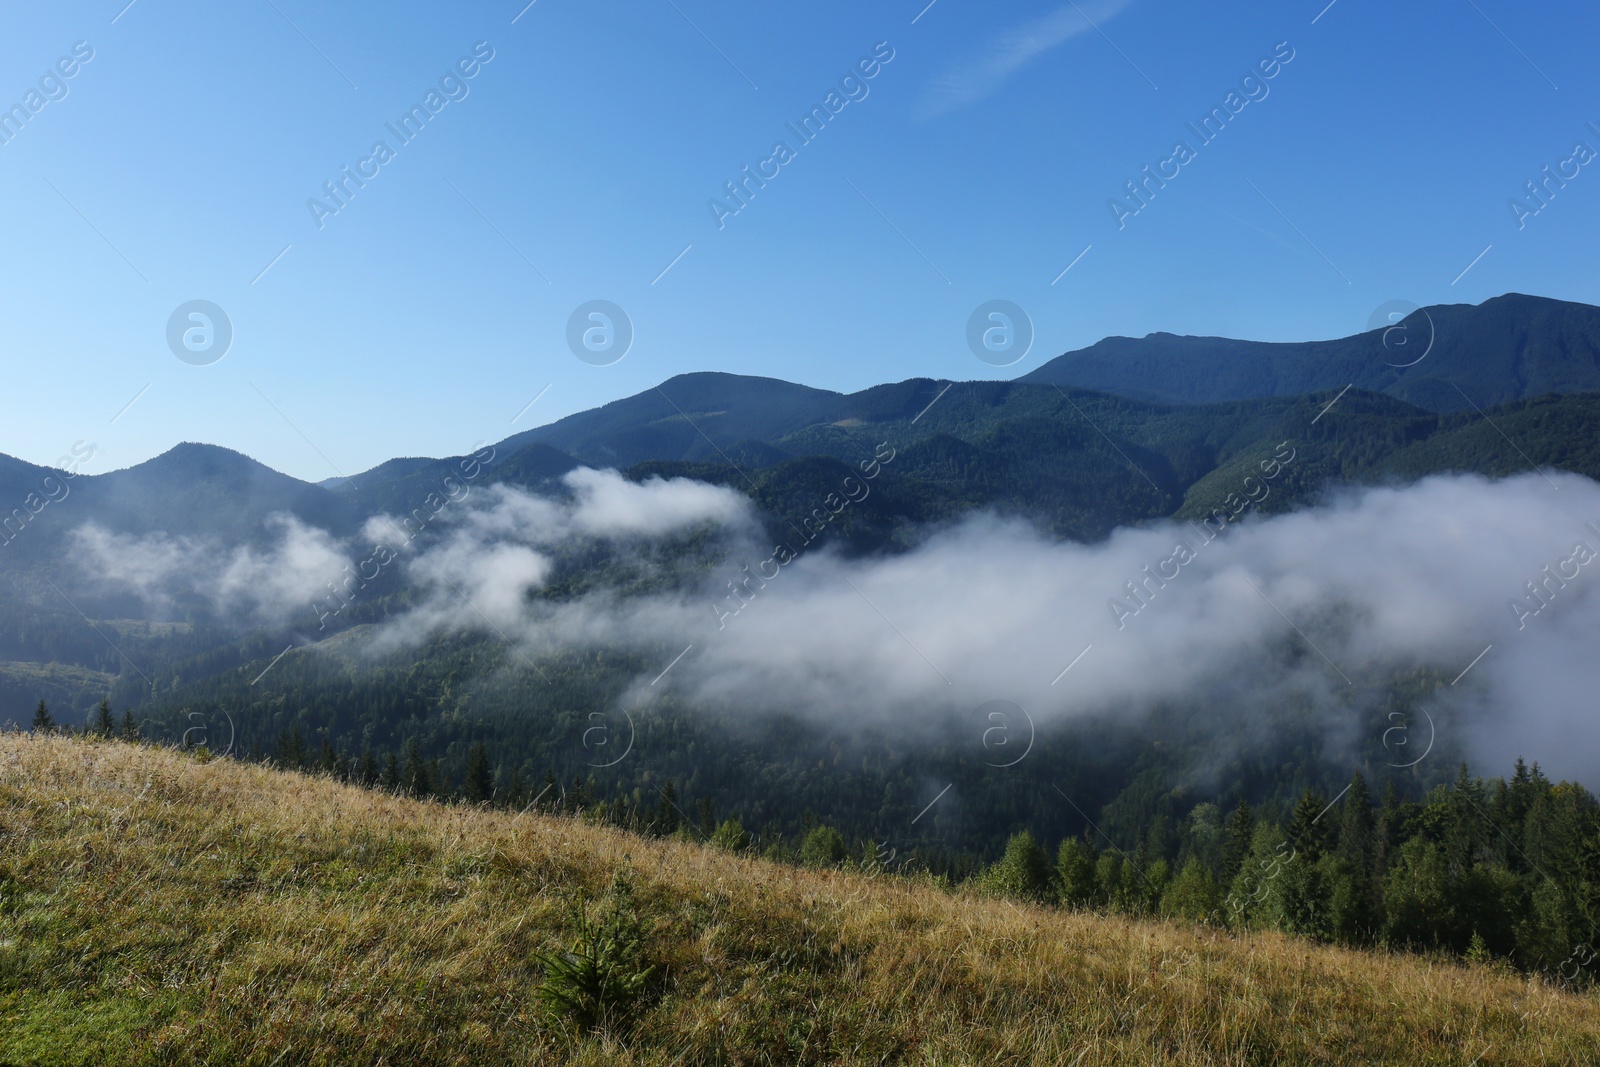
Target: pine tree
[[516, 790], [292, 748], [1503, 829], [478, 788], [1350, 875], [390, 779], [130, 729], [42, 721], [1353, 915], [1463, 831], [367, 768], [1157, 877], [1306, 831], [1486, 906], [666, 820], [1159, 840], [1356, 827], [1546, 936], [103, 724], [1298, 898], [1246, 902], [416, 779], [1130, 896], [1519, 799], [1203, 836], [1388, 833], [1240, 832]]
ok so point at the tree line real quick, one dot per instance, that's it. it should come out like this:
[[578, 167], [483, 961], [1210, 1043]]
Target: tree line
[[1480, 868]]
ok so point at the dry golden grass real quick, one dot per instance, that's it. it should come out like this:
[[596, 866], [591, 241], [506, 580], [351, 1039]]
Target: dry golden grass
[[154, 909]]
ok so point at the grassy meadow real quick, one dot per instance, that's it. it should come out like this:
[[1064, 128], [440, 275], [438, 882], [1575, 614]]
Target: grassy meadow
[[159, 908]]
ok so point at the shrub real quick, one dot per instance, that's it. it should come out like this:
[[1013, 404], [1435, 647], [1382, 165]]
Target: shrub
[[595, 984], [732, 836], [1193, 894], [1075, 874], [823, 847], [1023, 873]]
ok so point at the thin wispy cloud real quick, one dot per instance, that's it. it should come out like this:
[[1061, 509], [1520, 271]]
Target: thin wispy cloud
[[982, 74]]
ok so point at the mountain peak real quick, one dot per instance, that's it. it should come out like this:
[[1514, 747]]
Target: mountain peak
[[200, 460]]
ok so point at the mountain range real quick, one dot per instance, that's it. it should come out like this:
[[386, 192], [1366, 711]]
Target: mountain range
[[1147, 419]]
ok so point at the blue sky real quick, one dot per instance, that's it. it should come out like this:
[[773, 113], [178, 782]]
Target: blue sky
[[580, 162]]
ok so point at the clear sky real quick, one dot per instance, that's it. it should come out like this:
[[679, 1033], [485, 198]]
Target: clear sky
[[579, 162]]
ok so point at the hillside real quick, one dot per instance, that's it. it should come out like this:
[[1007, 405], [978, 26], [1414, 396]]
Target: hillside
[[1512, 347], [158, 909]]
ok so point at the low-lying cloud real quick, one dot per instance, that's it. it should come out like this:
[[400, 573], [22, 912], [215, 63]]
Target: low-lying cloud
[[263, 586], [490, 548], [1329, 603]]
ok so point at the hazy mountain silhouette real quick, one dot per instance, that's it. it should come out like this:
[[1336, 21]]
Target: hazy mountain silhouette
[[1164, 415], [1509, 348]]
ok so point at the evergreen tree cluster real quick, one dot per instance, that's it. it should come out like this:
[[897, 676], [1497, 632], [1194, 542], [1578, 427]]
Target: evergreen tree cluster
[[410, 773], [1479, 868], [102, 723]]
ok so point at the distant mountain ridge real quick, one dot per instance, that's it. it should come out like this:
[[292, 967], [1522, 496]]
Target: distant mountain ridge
[[1180, 409], [1508, 348], [1461, 357]]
